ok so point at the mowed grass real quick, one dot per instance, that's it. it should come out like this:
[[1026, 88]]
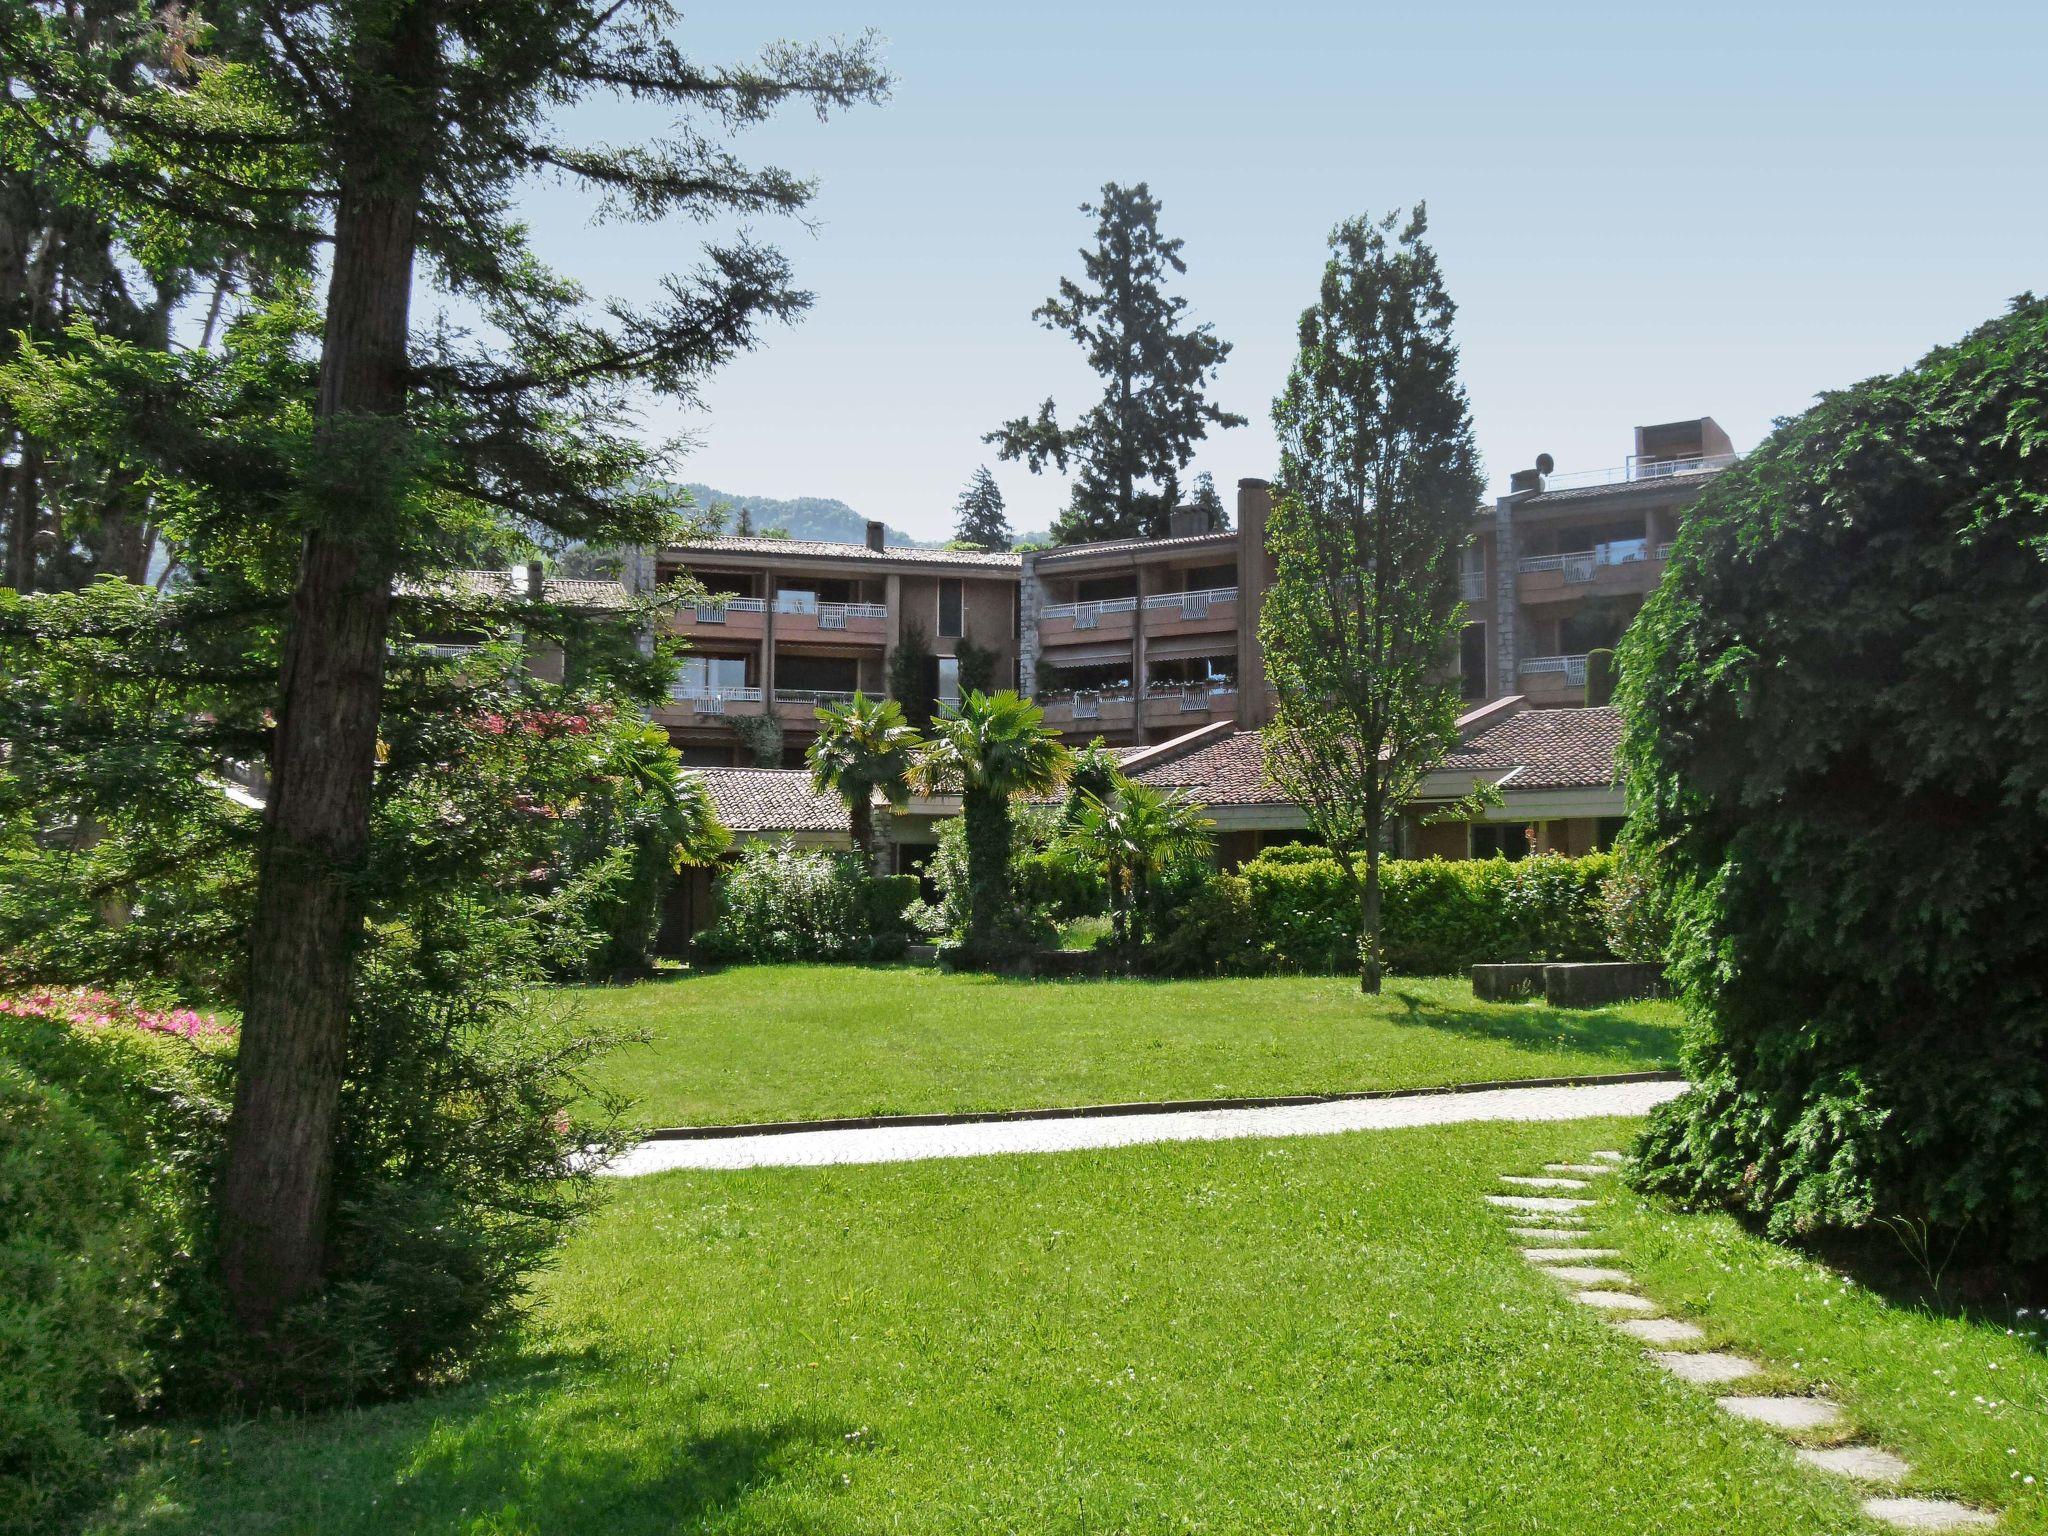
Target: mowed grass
[[1960, 1389], [1319, 1335], [794, 1042]]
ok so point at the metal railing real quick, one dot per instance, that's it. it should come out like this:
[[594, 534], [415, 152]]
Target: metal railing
[[1193, 697], [1573, 667], [1076, 611], [1663, 551], [713, 610], [1581, 565], [1472, 585], [703, 694], [1640, 469], [1194, 604], [814, 695], [791, 603]]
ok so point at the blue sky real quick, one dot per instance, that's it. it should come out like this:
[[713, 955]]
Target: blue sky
[[1644, 212]]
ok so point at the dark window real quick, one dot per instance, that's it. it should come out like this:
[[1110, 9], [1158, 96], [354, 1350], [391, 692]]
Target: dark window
[[1500, 840], [1104, 589], [1472, 662], [950, 606], [1206, 578], [1606, 830]]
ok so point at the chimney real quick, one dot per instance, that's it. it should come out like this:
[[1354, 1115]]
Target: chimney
[[875, 532], [1524, 480], [536, 580], [1186, 522]]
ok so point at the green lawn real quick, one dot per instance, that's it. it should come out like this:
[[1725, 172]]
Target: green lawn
[[1306, 1336], [805, 1042]]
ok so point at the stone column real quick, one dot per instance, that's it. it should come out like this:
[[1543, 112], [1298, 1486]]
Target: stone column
[[1254, 501], [1506, 598], [1030, 599]]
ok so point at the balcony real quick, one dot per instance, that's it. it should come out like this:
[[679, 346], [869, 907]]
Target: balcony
[[1640, 469], [1088, 710], [1114, 616], [703, 699], [1472, 586], [1177, 612], [1174, 703], [1622, 567], [740, 616], [798, 618]]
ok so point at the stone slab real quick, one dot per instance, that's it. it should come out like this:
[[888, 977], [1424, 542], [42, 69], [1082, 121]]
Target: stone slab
[[1927, 1514], [1588, 984], [1539, 1204], [1661, 1330], [1613, 1301], [1506, 983], [1546, 1181], [1547, 1234], [1705, 1367], [1568, 1255], [1588, 1274], [1586, 1169], [1863, 1463], [1609, 1157], [1783, 1412]]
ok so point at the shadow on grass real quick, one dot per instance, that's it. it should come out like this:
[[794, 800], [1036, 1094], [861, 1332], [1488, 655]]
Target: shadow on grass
[[1534, 1026], [563, 1445]]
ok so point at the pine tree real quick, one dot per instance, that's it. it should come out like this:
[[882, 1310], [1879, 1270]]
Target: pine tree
[[1207, 500], [1131, 447], [981, 521], [396, 136], [1376, 493]]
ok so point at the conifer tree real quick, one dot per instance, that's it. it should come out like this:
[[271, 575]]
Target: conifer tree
[[391, 137], [1130, 448], [981, 522], [1208, 500]]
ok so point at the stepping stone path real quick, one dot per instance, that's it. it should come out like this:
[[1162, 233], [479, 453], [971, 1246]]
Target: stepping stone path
[[1867, 1464]]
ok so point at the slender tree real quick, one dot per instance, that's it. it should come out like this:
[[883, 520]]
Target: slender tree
[[988, 749], [1208, 500], [391, 136], [863, 745], [980, 522], [1131, 447], [1377, 485]]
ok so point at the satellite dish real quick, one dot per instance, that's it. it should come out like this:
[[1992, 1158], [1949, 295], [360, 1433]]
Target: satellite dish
[[1545, 463]]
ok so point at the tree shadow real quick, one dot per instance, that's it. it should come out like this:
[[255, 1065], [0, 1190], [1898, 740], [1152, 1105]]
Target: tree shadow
[[1611, 1032], [561, 1444]]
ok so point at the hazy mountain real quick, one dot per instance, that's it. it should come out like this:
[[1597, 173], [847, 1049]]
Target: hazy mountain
[[803, 517]]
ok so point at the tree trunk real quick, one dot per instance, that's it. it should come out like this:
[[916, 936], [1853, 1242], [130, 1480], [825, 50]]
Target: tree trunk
[[860, 815], [988, 865], [308, 911], [1369, 922]]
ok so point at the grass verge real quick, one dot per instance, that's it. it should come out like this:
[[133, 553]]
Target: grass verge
[[807, 1042]]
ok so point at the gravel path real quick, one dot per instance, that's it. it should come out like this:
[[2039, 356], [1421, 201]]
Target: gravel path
[[912, 1143]]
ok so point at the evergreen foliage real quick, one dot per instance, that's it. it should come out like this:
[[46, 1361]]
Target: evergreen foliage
[[863, 745], [1132, 834], [1837, 739], [1378, 479], [979, 519], [1207, 499], [913, 676], [1129, 449]]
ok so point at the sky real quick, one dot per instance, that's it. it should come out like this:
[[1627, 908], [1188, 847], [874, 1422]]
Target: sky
[[1644, 212]]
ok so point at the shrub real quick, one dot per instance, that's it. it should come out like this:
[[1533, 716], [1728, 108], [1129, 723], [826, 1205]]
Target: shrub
[[782, 902], [105, 1134], [1048, 884], [1437, 915], [1837, 719], [1202, 925], [1633, 911]]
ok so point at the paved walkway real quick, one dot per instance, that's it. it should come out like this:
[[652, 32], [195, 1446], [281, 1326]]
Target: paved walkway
[[913, 1143]]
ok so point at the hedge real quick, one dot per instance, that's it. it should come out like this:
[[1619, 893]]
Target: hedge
[[1437, 915]]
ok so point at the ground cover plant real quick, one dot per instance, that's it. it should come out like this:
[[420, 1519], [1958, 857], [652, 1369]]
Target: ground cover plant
[[1320, 1335], [801, 1042], [1859, 893]]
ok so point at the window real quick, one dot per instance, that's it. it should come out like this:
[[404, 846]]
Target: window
[[1500, 840], [1605, 830], [949, 677], [705, 677], [1472, 663], [951, 605]]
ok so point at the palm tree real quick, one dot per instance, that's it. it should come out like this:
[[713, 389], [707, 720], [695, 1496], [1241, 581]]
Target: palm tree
[[989, 747], [863, 745], [1134, 832]]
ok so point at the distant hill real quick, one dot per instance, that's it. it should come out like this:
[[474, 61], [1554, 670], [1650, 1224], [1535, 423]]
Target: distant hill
[[824, 518]]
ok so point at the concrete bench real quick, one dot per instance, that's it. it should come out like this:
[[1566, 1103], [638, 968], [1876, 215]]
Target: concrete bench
[[1573, 984]]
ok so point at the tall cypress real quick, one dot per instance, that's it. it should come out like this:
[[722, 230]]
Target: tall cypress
[[980, 517]]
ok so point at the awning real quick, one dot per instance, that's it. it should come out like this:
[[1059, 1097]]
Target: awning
[[1175, 647], [1087, 656]]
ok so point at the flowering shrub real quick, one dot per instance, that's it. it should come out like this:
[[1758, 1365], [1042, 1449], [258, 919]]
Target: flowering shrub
[[782, 902], [86, 1008]]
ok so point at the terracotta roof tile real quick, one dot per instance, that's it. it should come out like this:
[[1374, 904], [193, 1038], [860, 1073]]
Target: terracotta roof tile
[[772, 800], [818, 548]]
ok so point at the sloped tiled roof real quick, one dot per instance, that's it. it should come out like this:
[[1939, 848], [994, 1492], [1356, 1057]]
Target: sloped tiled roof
[[1185, 541], [569, 591], [1553, 748], [772, 800], [1669, 485], [1001, 560]]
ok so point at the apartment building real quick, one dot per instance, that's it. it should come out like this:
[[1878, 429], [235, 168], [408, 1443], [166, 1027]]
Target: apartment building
[[1143, 640], [1559, 565], [787, 625]]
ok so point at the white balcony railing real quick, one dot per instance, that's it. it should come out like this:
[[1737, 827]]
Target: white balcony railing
[[1640, 469], [1573, 668], [1193, 697], [804, 603], [1472, 585], [1192, 604], [709, 700], [814, 695], [1079, 612], [1581, 565], [1663, 551], [713, 610]]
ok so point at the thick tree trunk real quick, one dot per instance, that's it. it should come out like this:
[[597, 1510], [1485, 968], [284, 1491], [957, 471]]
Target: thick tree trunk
[[861, 817], [308, 914], [988, 865]]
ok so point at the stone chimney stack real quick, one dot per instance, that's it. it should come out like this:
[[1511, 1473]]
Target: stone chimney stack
[[1254, 566], [536, 580], [875, 532]]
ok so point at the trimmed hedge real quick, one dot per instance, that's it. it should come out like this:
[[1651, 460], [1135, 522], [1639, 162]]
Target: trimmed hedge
[[1437, 915]]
